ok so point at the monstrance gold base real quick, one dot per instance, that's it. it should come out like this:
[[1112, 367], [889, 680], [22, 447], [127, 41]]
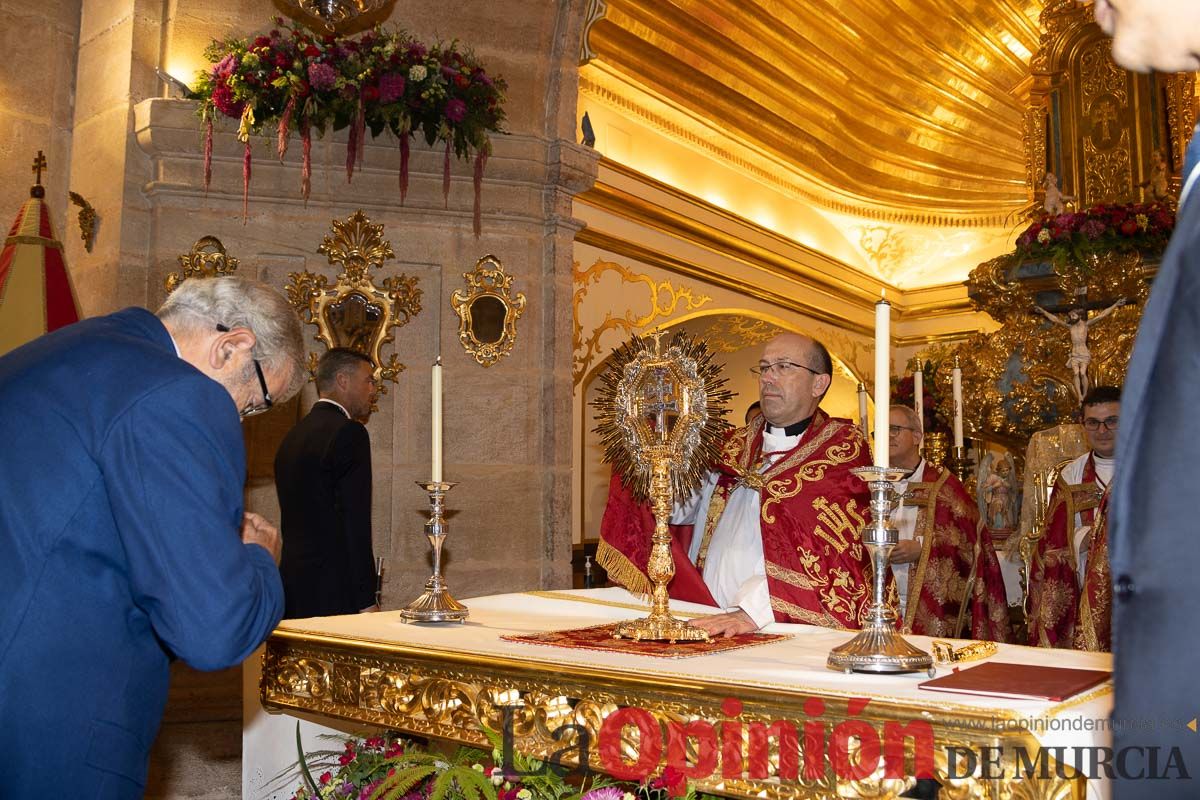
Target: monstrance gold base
[[659, 628]]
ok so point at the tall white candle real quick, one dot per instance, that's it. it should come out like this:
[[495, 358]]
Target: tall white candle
[[436, 416], [883, 373], [862, 410], [919, 395], [956, 378]]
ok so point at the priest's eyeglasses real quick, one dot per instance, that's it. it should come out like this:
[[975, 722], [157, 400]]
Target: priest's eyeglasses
[[780, 368], [253, 409], [1093, 424]]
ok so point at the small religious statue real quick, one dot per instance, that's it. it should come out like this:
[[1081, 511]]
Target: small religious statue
[[997, 492], [1157, 186], [1054, 198], [1077, 324]]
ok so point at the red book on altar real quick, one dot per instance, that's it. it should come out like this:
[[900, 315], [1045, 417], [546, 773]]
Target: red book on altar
[[1002, 679]]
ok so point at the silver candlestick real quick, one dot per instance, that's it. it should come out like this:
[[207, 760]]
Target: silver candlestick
[[435, 604], [877, 647]]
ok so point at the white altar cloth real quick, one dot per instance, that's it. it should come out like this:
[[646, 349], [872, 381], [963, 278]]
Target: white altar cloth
[[795, 664]]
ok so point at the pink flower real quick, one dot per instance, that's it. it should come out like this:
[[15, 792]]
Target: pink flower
[[456, 110], [226, 66], [391, 87], [321, 76]]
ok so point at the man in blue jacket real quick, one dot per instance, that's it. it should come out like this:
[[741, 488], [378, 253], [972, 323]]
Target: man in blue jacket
[[122, 531]]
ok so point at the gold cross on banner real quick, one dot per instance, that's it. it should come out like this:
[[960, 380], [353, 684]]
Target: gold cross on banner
[[39, 164]]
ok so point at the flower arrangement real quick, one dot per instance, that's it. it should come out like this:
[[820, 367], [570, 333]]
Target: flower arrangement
[[392, 768], [290, 80], [1065, 238]]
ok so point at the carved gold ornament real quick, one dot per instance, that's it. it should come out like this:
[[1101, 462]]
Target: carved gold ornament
[[665, 300], [445, 694], [487, 311], [355, 313], [207, 259]]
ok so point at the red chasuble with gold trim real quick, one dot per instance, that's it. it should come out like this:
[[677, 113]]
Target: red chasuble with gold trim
[[812, 508], [957, 560], [1093, 629], [1053, 585]]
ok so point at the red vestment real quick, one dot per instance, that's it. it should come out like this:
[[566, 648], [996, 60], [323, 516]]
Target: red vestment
[[957, 560], [1093, 627], [811, 511], [1053, 582]]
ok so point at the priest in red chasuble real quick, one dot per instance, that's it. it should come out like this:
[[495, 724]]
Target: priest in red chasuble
[[947, 574], [773, 534], [1073, 552]]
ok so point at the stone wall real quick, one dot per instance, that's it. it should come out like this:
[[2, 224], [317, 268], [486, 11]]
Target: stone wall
[[39, 42]]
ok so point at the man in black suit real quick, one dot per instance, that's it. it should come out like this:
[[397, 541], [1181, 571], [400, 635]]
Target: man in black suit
[[323, 478], [1154, 544]]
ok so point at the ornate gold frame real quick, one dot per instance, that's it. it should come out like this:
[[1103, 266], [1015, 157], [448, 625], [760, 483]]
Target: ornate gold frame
[[487, 280], [207, 259], [356, 246]]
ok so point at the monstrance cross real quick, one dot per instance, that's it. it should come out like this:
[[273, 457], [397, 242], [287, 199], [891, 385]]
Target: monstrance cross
[[660, 398], [39, 164]]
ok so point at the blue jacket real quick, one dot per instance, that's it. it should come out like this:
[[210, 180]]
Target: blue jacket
[[121, 473]]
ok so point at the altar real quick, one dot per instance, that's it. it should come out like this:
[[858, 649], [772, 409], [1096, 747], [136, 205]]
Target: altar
[[448, 680]]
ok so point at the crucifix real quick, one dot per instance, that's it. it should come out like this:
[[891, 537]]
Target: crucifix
[[1105, 115], [39, 164]]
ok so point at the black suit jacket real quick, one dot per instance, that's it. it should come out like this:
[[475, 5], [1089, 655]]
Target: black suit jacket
[[1154, 538], [323, 477]]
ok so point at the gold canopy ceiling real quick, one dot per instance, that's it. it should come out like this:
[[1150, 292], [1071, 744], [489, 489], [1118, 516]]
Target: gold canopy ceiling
[[901, 110]]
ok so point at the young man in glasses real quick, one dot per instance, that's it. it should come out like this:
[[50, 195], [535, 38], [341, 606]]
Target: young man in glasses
[[1073, 551], [323, 478], [773, 535], [947, 575]]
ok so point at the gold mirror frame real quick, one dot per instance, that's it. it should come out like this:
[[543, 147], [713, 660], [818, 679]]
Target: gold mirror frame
[[356, 246], [207, 259], [488, 281]]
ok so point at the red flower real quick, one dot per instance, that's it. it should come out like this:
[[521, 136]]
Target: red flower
[[674, 781], [312, 51], [370, 94], [374, 742], [282, 60], [325, 778], [461, 81], [1129, 227], [345, 758], [225, 102], [261, 41]]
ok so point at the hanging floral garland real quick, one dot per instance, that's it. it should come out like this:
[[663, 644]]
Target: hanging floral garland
[[292, 80]]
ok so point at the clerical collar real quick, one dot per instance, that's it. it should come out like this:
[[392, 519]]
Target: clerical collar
[[795, 429]]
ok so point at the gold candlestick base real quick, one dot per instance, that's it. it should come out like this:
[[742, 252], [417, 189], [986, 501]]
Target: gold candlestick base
[[959, 463], [436, 603]]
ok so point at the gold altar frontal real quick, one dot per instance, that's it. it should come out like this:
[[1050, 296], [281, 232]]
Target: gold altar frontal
[[446, 681]]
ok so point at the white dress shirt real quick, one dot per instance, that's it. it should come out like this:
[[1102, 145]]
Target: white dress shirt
[[905, 520], [735, 568], [1073, 473]]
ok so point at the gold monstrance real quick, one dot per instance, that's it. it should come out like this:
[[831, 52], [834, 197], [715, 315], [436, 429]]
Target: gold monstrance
[[662, 422]]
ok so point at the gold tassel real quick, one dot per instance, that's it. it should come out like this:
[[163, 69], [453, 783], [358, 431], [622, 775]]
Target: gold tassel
[[622, 570]]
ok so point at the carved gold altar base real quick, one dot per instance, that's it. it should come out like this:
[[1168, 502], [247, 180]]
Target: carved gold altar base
[[441, 692]]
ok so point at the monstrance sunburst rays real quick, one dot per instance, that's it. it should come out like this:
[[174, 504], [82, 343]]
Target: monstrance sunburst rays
[[661, 418]]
